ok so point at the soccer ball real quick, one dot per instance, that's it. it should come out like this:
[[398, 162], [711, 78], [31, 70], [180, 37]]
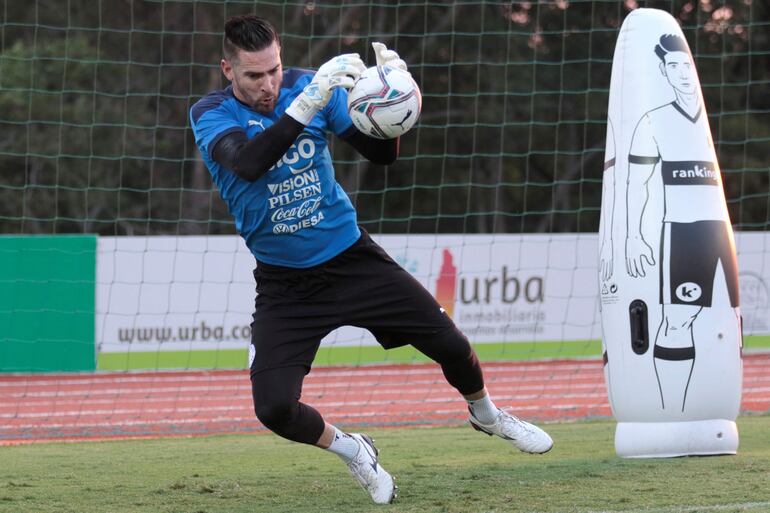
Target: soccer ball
[[385, 102]]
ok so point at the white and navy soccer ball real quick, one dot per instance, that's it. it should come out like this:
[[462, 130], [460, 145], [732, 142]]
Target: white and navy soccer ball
[[385, 102]]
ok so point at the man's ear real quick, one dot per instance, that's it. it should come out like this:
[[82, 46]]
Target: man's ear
[[662, 66], [227, 69]]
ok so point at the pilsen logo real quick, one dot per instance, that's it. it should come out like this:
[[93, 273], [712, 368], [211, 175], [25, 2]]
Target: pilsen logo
[[476, 290]]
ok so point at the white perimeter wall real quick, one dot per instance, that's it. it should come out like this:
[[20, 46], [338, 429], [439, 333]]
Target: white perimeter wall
[[181, 293]]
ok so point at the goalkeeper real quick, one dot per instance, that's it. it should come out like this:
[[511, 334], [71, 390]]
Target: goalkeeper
[[264, 141]]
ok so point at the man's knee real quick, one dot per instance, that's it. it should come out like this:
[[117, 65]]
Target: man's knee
[[455, 349], [460, 364], [276, 415]]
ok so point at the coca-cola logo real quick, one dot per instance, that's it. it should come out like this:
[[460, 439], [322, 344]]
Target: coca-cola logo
[[298, 212]]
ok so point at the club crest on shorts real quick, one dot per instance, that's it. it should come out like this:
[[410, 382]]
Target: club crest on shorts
[[688, 292]]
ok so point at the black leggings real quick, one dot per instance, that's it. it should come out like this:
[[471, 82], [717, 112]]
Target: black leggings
[[277, 391]]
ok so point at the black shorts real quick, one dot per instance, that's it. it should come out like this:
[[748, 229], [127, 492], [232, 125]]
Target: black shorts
[[362, 286], [690, 253]]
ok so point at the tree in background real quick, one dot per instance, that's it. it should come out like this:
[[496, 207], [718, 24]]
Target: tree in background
[[94, 101]]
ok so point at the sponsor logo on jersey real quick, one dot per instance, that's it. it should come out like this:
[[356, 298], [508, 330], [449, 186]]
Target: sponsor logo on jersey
[[295, 202], [297, 212], [302, 149], [690, 173], [296, 171], [295, 182], [284, 228]]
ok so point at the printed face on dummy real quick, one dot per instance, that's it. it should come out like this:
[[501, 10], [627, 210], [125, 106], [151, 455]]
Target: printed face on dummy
[[680, 72]]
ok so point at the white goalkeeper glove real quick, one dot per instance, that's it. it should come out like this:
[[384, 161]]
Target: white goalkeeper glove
[[341, 71], [387, 57]]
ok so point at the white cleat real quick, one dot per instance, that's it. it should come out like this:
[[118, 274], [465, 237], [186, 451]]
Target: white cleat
[[524, 436], [366, 468]]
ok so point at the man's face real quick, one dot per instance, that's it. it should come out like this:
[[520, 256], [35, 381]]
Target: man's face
[[680, 72], [256, 77]]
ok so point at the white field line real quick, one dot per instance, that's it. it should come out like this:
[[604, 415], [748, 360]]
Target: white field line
[[406, 396], [409, 396], [411, 393], [420, 369], [220, 419], [406, 405], [350, 380], [309, 386], [151, 391], [581, 367], [601, 408], [449, 414], [243, 403], [312, 384], [244, 396], [511, 373]]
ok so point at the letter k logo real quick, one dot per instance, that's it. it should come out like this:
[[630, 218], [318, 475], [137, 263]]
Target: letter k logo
[[688, 292]]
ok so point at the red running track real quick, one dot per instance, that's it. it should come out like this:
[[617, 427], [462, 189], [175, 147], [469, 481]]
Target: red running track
[[50, 407]]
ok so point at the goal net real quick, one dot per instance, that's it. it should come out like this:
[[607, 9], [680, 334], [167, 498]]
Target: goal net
[[120, 257]]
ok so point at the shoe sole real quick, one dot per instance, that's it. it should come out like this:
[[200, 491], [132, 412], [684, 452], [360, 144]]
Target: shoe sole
[[482, 430]]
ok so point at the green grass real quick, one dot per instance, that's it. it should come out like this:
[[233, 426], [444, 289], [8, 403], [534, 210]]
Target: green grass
[[362, 355], [438, 470]]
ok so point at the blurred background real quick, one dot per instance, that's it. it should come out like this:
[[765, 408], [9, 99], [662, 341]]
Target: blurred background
[[95, 95]]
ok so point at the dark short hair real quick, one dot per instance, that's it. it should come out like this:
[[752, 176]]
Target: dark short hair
[[670, 43], [247, 32]]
